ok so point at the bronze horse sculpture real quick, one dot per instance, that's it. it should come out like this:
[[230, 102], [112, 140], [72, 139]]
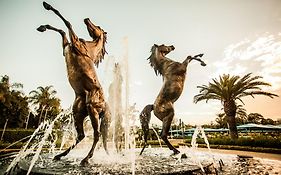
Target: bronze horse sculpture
[[173, 76], [80, 55]]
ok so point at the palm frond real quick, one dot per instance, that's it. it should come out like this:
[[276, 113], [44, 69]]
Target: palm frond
[[252, 93], [228, 88]]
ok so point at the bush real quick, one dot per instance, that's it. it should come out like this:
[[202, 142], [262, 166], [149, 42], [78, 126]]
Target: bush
[[13, 135], [4, 145], [266, 141]]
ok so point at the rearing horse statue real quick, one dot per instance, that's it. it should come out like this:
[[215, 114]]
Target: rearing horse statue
[[80, 55], [173, 76]]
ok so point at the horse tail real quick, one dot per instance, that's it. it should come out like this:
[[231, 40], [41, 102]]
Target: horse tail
[[144, 120], [105, 117]]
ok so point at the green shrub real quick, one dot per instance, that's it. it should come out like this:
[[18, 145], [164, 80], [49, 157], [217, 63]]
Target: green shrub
[[266, 141], [17, 145], [13, 135]]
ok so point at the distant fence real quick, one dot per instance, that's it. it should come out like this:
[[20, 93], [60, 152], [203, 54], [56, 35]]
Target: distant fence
[[247, 128]]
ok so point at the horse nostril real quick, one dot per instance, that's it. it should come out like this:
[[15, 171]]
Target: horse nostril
[[173, 47], [86, 20]]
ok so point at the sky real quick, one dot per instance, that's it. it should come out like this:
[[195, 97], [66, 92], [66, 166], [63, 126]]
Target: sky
[[236, 37]]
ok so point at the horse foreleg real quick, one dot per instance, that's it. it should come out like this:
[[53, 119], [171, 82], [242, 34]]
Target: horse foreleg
[[165, 130], [43, 28], [72, 35], [49, 7]]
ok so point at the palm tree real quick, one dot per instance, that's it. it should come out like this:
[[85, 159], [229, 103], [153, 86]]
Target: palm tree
[[228, 89], [241, 117], [44, 98]]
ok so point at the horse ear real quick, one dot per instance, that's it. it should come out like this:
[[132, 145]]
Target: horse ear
[[155, 45]]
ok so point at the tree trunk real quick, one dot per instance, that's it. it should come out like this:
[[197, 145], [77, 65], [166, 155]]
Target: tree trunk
[[230, 111], [4, 129]]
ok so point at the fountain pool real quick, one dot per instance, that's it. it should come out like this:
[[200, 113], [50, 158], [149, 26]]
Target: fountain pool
[[153, 161]]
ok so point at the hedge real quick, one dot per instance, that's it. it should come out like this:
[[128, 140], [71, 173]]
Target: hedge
[[255, 141], [13, 135]]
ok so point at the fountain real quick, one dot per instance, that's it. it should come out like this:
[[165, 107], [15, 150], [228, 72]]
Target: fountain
[[36, 157]]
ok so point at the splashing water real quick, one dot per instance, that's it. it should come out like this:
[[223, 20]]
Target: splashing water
[[199, 130], [157, 135], [69, 132], [194, 145], [44, 135]]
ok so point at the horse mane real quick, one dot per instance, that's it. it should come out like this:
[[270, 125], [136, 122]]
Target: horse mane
[[155, 63], [102, 52]]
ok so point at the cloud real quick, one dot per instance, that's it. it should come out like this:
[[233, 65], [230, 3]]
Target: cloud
[[261, 57]]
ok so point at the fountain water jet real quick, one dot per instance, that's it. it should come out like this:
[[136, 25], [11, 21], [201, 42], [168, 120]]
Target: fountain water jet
[[199, 130], [40, 136]]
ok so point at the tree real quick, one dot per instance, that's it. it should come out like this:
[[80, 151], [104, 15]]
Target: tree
[[241, 117], [268, 121], [47, 104], [278, 121], [228, 89], [255, 118], [13, 104], [221, 120]]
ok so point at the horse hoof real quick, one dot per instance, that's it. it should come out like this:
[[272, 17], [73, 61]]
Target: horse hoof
[[47, 6], [203, 64], [57, 158], [184, 156], [176, 152], [199, 55], [42, 28], [84, 162]]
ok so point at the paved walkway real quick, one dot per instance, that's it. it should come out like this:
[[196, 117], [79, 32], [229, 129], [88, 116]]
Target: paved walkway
[[237, 152], [246, 153]]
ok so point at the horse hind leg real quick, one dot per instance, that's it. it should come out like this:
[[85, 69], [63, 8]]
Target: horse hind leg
[[80, 137], [79, 112], [165, 130], [95, 123], [93, 107], [144, 120]]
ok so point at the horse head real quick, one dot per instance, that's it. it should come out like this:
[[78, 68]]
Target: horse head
[[157, 57], [162, 49], [99, 36], [96, 32]]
